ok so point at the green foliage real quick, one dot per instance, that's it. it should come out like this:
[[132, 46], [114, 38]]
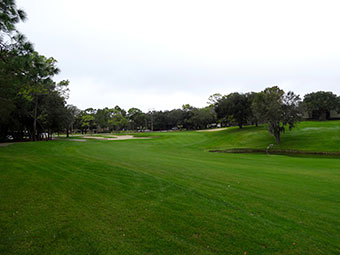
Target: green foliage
[[319, 104], [202, 117], [118, 119], [136, 118], [10, 15], [234, 106], [107, 119], [190, 117], [214, 99], [26, 82], [277, 109]]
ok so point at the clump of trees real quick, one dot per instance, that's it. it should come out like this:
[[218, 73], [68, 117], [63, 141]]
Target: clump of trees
[[235, 107], [32, 104], [320, 104], [271, 106], [117, 119]]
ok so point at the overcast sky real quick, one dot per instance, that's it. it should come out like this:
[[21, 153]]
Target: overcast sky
[[163, 54]]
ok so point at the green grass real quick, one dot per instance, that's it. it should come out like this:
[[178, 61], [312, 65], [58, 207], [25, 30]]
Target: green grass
[[169, 195], [307, 136]]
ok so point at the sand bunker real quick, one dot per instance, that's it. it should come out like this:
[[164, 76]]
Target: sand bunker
[[212, 130], [72, 140], [121, 137]]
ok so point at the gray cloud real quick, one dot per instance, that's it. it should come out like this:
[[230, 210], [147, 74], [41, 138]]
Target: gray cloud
[[162, 54]]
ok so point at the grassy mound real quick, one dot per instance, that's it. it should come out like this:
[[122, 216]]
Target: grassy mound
[[307, 136]]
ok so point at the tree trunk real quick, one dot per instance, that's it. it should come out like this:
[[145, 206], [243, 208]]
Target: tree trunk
[[277, 137], [67, 132], [35, 113]]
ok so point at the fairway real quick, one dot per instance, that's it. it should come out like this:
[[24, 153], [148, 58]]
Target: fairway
[[170, 195]]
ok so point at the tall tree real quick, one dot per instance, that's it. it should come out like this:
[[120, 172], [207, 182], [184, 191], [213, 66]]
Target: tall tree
[[88, 119], [71, 113], [39, 71], [136, 118], [188, 113], [252, 118], [13, 50], [102, 118], [202, 117], [118, 120], [277, 109], [235, 105]]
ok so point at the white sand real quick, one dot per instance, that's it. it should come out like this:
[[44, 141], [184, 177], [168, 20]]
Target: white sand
[[212, 130], [121, 137], [72, 140]]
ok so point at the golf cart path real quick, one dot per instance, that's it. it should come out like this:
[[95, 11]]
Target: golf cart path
[[5, 144]]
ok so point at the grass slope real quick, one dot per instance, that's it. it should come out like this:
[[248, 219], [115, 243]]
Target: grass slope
[[170, 196], [307, 136]]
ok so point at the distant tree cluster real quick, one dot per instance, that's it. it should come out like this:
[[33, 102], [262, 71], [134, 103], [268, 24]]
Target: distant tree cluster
[[272, 106], [117, 119], [31, 103], [275, 108]]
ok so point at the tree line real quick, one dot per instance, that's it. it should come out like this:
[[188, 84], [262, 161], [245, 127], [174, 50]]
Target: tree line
[[273, 106], [117, 119], [33, 105]]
